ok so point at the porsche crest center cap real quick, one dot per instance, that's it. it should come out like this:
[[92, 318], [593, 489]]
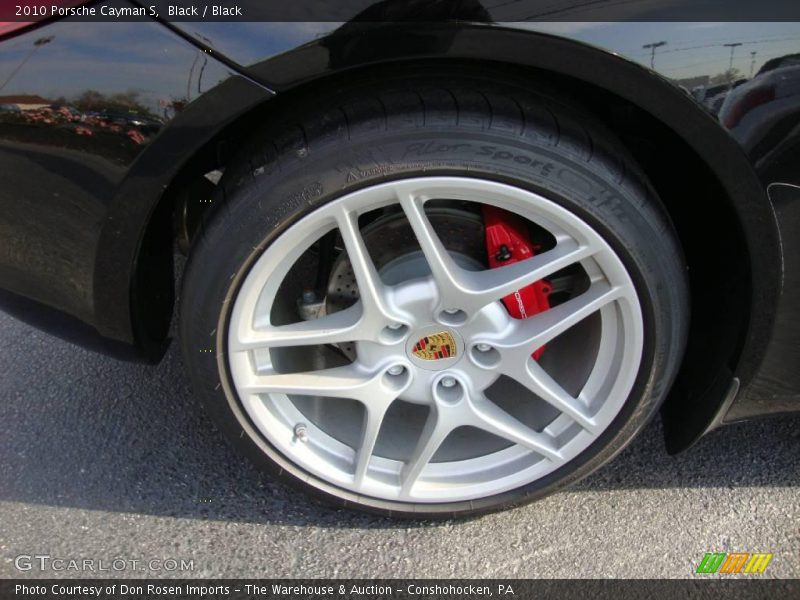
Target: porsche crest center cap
[[436, 346]]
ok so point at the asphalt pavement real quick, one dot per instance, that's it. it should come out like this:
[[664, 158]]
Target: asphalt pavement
[[106, 460]]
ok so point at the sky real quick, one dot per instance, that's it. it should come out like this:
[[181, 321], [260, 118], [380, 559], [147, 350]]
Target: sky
[[692, 49]]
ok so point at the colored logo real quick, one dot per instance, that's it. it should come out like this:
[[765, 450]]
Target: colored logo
[[735, 562], [436, 346]]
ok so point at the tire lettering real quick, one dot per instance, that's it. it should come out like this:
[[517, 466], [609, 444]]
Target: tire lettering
[[422, 148]]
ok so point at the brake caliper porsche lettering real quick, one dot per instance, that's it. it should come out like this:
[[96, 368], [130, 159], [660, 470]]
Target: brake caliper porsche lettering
[[507, 242]]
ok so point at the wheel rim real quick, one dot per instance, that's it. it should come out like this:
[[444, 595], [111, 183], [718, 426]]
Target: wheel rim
[[299, 412]]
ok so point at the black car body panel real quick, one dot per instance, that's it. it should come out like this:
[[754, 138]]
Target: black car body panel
[[774, 389], [75, 243], [101, 126]]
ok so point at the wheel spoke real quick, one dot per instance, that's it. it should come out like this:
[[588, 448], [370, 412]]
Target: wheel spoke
[[536, 331], [338, 382], [342, 326], [472, 290], [371, 290], [484, 287], [494, 419], [443, 268], [538, 381], [433, 434], [373, 418]]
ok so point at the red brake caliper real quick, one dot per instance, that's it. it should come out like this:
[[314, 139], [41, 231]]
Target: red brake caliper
[[507, 242]]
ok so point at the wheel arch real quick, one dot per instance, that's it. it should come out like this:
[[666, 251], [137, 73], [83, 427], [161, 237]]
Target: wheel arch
[[654, 118]]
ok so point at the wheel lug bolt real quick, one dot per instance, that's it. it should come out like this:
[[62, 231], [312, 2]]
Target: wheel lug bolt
[[451, 311], [301, 432], [448, 382], [396, 370], [395, 326], [483, 347]]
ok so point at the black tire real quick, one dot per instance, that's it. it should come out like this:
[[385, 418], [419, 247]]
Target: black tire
[[440, 125]]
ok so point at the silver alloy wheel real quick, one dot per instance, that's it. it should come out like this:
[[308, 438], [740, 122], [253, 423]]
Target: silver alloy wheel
[[462, 304]]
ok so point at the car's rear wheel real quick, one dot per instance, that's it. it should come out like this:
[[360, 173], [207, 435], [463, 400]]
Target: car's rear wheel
[[434, 301]]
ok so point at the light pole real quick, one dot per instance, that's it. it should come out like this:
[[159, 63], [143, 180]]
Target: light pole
[[733, 48], [653, 47], [36, 45], [752, 62]]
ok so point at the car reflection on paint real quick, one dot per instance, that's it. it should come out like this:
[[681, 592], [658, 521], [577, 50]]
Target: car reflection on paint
[[776, 84]]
